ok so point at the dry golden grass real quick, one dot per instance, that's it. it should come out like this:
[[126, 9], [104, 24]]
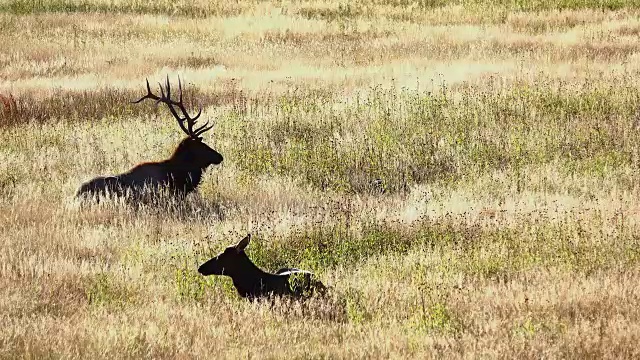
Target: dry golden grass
[[463, 177]]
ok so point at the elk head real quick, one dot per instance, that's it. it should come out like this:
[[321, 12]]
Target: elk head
[[227, 262], [192, 150]]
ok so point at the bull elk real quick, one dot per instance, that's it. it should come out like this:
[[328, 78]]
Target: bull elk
[[179, 175], [251, 282]]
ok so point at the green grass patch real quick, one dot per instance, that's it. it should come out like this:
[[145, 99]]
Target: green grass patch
[[482, 252], [181, 8], [341, 12], [398, 139], [104, 290]]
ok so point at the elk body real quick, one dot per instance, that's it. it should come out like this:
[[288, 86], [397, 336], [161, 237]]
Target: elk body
[[178, 176], [8, 103], [251, 282], [8, 108]]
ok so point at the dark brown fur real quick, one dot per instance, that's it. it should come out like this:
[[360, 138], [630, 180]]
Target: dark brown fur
[[9, 106], [251, 282], [178, 176]]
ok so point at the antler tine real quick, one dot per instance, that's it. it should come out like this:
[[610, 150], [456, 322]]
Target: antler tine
[[191, 121], [198, 115], [203, 126], [162, 96], [148, 96], [165, 97], [168, 89], [167, 100], [203, 129], [180, 104]]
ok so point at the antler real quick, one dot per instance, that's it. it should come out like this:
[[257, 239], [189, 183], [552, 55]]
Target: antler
[[191, 121]]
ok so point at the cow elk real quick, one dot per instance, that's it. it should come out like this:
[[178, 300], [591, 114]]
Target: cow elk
[[9, 108], [251, 282], [177, 176]]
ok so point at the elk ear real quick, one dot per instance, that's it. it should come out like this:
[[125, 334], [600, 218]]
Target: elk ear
[[243, 243]]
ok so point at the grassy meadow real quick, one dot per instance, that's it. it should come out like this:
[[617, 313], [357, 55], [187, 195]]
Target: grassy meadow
[[463, 175]]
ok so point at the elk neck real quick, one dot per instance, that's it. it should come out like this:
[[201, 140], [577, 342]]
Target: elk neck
[[247, 277], [183, 176], [185, 169]]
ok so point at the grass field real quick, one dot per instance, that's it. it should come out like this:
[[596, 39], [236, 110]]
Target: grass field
[[462, 174]]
